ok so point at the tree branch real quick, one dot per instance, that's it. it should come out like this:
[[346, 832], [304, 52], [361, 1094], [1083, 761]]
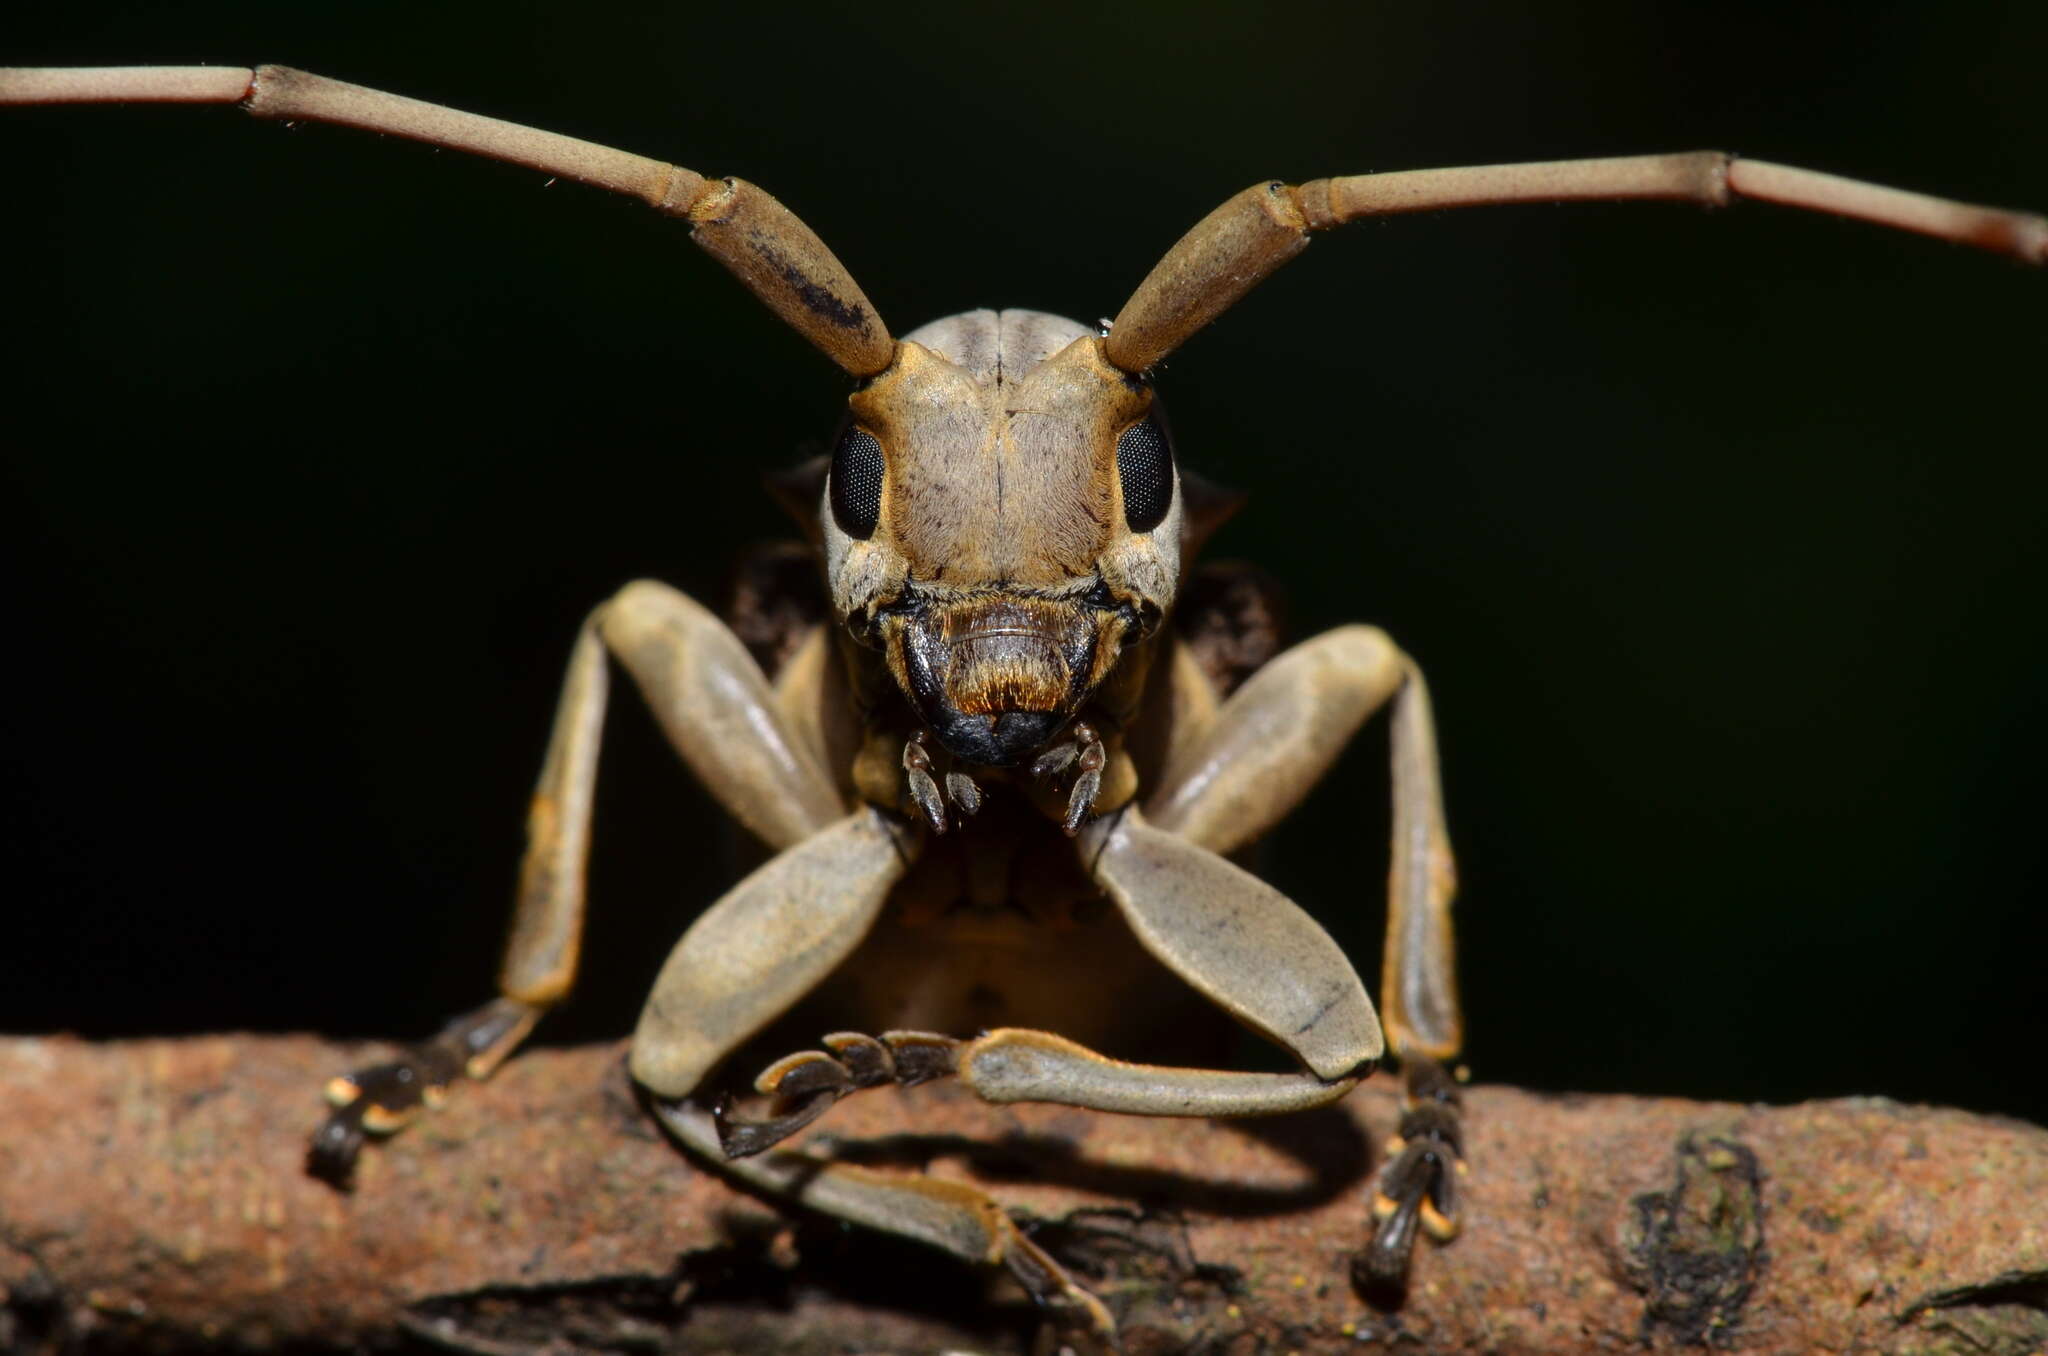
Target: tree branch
[[152, 1193]]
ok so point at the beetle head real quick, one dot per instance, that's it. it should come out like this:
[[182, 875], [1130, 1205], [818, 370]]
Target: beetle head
[[1002, 519]]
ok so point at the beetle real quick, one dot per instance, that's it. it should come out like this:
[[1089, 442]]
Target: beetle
[[930, 633]]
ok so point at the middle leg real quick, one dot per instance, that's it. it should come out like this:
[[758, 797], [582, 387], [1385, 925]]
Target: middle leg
[[722, 718], [1260, 754]]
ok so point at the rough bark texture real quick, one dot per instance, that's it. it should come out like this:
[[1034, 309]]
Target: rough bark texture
[[151, 1194]]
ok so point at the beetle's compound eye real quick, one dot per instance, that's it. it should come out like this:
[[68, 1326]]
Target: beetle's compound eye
[[1144, 462], [856, 483]]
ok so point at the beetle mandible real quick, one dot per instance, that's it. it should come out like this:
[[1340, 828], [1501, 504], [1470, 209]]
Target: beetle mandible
[[1005, 537]]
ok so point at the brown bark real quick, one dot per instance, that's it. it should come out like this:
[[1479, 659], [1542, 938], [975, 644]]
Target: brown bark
[[151, 1193]]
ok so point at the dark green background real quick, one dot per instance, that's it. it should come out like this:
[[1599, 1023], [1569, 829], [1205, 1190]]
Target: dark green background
[[1720, 536]]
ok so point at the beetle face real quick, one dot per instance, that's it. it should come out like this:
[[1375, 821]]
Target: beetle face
[[1002, 519]]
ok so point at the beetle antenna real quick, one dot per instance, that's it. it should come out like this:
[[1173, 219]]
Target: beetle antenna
[[764, 244], [1235, 247]]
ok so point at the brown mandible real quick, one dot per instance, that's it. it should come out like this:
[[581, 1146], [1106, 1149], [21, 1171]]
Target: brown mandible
[[1004, 536]]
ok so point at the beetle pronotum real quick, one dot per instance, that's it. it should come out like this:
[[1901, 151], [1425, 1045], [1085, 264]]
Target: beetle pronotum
[[1145, 340]]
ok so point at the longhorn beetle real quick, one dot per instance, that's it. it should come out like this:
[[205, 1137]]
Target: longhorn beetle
[[1002, 720]]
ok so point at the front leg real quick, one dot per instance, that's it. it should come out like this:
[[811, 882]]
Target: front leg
[[951, 1216], [1244, 945], [1009, 1064], [768, 941]]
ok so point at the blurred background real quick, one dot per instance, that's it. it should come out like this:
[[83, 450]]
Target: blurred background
[[1719, 535]]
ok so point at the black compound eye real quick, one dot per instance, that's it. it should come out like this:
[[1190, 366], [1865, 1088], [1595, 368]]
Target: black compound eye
[[1144, 461], [856, 483]]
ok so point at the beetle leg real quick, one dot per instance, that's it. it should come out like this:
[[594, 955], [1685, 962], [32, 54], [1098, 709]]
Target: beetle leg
[[947, 1215], [806, 1084], [739, 966], [1016, 1064], [386, 1097], [1273, 739], [721, 716], [1012, 1064], [1241, 943], [762, 946], [1426, 1154], [1265, 747], [1418, 1183], [766, 943]]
